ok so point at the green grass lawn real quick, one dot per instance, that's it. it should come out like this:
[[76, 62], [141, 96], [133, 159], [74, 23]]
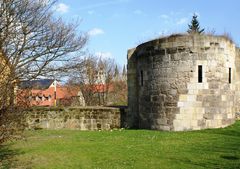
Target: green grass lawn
[[217, 148]]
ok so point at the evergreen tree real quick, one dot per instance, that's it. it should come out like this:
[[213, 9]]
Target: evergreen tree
[[194, 27], [124, 72], [116, 72]]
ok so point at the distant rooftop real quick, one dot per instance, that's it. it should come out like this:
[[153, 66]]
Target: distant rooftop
[[40, 84]]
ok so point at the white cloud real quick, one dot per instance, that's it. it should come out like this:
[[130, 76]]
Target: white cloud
[[91, 12], [104, 55], [62, 8], [95, 31], [138, 12], [164, 16], [182, 21]]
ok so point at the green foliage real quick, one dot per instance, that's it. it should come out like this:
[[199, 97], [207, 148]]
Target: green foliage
[[194, 27], [215, 148]]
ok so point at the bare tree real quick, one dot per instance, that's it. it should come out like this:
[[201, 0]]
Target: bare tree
[[33, 40], [100, 81], [85, 75], [95, 75], [33, 43], [118, 96], [84, 72], [107, 66]]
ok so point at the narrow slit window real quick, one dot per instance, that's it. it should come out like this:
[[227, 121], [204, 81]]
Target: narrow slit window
[[230, 75], [200, 74], [141, 77]]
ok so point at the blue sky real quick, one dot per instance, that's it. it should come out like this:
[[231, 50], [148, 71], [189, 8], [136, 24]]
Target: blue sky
[[115, 26]]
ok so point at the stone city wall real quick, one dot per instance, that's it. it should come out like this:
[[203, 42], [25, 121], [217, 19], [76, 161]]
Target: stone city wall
[[81, 118], [237, 82], [238, 116], [164, 92]]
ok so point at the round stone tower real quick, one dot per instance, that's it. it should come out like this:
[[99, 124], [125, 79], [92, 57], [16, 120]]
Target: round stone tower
[[183, 82]]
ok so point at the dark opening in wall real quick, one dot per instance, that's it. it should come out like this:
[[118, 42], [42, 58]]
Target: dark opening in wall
[[200, 74], [141, 77], [230, 75]]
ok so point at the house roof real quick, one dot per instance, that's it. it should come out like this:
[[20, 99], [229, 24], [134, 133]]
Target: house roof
[[36, 84]]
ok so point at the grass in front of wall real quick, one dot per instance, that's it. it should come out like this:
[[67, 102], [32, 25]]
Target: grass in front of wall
[[215, 148]]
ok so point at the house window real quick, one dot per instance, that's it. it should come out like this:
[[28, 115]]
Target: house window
[[230, 75], [45, 98], [141, 77], [200, 74]]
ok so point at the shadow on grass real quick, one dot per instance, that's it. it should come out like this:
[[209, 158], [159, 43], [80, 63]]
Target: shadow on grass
[[229, 157], [222, 151], [7, 157]]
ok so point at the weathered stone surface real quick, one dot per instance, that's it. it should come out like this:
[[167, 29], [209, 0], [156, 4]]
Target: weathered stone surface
[[238, 116], [81, 118], [169, 97]]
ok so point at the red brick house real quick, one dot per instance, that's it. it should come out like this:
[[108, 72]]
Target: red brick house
[[48, 92]]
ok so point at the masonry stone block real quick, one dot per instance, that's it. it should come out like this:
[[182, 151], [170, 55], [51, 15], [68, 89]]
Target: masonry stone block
[[81, 118], [172, 98]]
